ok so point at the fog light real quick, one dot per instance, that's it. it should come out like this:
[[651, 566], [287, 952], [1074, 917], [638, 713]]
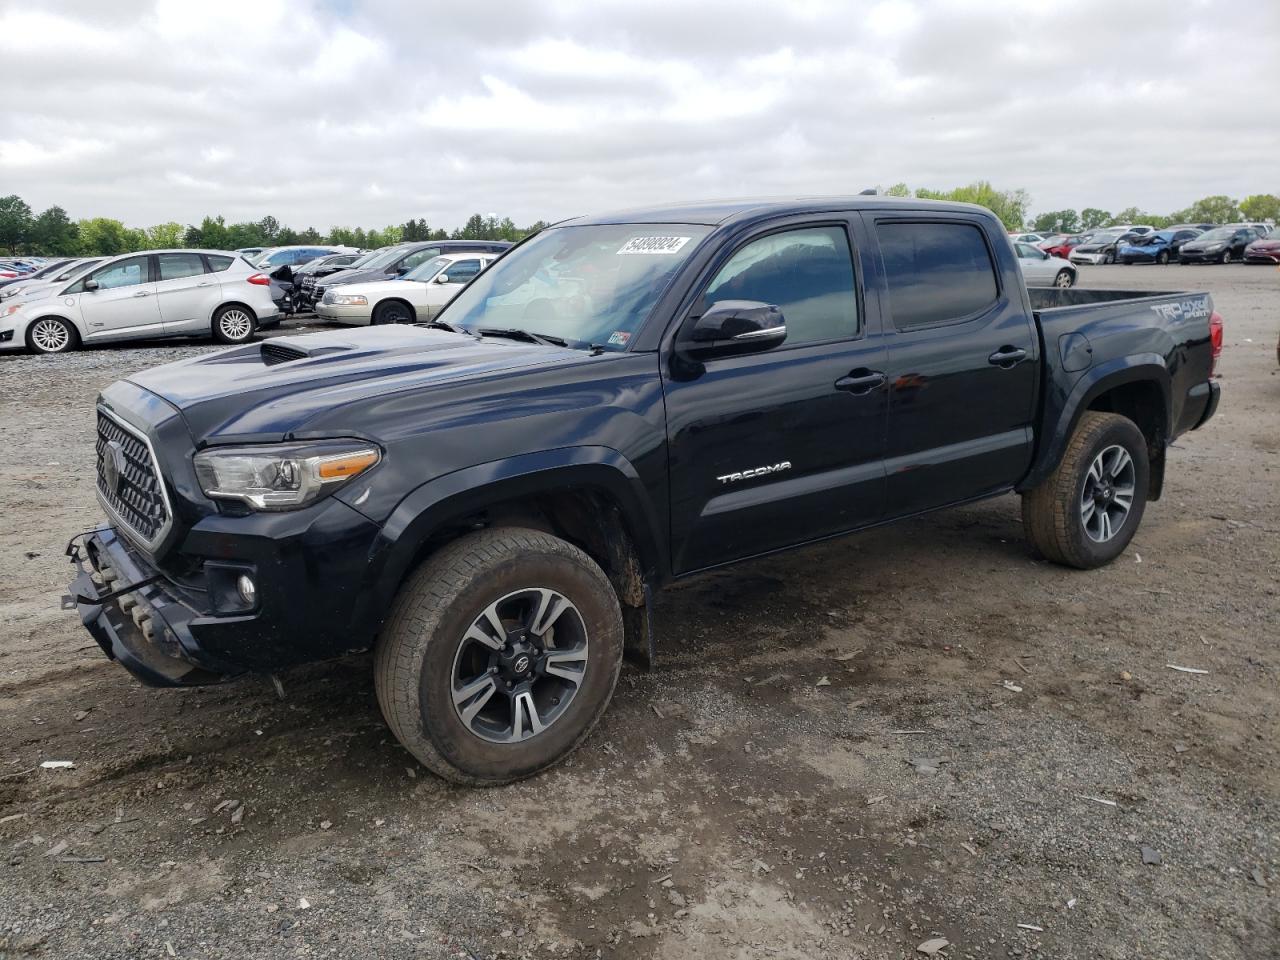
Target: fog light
[[247, 589]]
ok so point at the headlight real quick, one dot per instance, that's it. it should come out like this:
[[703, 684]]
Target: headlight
[[284, 476], [351, 299]]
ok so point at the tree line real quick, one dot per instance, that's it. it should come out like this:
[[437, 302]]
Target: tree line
[[53, 233]]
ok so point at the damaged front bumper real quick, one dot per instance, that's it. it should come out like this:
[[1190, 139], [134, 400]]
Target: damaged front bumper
[[137, 621]]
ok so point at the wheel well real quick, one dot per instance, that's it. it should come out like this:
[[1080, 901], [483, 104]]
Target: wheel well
[[232, 303], [1143, 403], [412, 312], [70, 324]]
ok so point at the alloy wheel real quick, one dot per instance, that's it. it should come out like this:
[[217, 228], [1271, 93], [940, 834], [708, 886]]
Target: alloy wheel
[[50, 336], [1107, 496], [519, 665], [235, 324]]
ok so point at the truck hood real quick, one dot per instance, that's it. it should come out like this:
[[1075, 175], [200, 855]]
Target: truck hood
[[269, 390]]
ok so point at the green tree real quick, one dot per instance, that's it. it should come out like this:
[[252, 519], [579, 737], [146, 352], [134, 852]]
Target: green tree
[[1215, 209], [15, 222], [104, 237], [1261, 206], [269, 230], [54, 234], [166, 235], [244, 235], [212, 234], [310, 235], [1009, 205], [1061, 221], [1091, 218], [898, 190]]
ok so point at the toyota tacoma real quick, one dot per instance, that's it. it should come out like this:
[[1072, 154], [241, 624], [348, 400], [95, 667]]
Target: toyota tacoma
[[490, 501]]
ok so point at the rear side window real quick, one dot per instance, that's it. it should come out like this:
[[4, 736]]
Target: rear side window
[[807, 273], [217, 264], [175, 266], [935, 272]]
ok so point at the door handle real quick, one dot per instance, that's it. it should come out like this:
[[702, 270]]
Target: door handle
[[205, 284], [1007, 357], [861, 381], [142, 293]]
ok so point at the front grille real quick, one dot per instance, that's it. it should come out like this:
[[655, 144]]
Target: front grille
[[319, 292], [273, 353], [129, 480]]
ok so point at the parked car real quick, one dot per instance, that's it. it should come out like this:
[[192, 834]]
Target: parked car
[[396, 261], [273, 258], [249, 253], [286, 282], [8, 286], [1261, 229], [155, 293], [1159, 247], [28, 289], [1219, 245], [493, 501], [1062, 244], [1032, 238], [1263, 250], [1101, 245], [1137, 229], [1041, 270], [417, 297], [1191, 226]]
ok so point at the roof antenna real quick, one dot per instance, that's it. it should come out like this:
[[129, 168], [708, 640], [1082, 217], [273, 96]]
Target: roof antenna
[[869, 192]]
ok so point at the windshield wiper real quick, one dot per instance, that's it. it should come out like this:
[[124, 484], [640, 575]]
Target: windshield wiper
[[442, 325], [525, 335]]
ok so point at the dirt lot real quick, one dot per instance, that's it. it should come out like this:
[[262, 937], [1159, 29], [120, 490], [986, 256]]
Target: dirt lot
[[755, 796]]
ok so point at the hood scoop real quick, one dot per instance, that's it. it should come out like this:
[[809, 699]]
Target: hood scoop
[[273, 352]]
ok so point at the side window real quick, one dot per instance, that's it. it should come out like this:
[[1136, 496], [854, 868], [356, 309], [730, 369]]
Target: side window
[[935, 272], [460, 271], [123, 273], [217, 263], [807, 273], [175, 266]]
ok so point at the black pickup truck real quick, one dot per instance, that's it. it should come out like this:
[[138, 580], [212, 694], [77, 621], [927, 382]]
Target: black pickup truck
[[489, 501]]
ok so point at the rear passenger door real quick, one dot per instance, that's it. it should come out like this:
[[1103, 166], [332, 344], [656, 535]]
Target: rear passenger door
[[185, 293], [771, 449], [963, 362]]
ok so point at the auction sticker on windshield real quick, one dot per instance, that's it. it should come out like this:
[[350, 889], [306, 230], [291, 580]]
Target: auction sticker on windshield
[[652, 245]]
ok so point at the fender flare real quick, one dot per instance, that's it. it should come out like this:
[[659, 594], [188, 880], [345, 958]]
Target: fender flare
[[455, 495], [1138, 368]]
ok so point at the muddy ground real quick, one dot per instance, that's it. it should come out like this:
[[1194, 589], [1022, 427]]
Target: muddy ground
[[755, 796]]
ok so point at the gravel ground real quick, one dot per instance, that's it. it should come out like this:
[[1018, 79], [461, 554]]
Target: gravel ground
[[916, 733]]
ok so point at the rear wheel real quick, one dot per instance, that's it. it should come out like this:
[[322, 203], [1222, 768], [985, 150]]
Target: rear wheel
[[52, 335], [1086, 512], [500, 655], [1226, 256], [392, 311], [234, 324], [1064, 279]]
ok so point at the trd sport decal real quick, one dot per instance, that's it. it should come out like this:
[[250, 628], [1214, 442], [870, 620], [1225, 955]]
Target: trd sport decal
[[755, 472]]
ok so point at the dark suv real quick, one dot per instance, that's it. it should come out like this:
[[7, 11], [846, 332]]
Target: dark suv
[[391, 262]]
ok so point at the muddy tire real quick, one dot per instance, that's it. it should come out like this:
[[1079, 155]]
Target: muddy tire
[[500, 655], [1086, 512]]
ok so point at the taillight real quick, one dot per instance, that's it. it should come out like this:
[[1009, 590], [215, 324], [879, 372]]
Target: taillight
[[1215, 338], [262, 280]]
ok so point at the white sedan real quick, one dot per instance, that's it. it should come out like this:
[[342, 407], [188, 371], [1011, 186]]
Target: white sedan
[[1041, 270], [414, 298]]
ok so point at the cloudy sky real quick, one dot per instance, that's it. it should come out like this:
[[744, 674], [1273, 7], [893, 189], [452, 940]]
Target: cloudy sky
[[367, 112]]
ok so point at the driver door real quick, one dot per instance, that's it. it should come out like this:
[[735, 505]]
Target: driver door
[[124, 303], [1036, 269], [444, 286]]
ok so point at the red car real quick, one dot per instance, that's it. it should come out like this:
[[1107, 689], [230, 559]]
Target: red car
[[1263, 250], [1061, 244]]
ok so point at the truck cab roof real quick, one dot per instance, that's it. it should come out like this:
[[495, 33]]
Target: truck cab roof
[[746, 210]]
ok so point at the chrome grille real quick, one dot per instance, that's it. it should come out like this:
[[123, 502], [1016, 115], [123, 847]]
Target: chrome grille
[[129, 483]]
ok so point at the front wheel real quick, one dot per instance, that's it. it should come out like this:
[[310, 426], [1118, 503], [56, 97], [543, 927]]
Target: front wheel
[[1086, 512], [500, 655], [392, 311], [52, 335], [1162, 257], [1108, 258], [1226, 256], [1064, 279], [234, 324]]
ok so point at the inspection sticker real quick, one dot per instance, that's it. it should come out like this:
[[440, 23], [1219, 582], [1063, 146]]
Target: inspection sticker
[[619, 338], [652, 245]]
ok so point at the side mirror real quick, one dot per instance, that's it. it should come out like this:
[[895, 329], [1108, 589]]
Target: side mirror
[[90, 286], [400, 271], [736, 326], [442, 278]]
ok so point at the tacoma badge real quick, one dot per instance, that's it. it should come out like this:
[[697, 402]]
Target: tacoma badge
[[755, 472]]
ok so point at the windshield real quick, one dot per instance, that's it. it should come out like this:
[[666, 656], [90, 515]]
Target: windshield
[[425, 271], [381, 258], [589, 285], [367, 258], [1222, 233]]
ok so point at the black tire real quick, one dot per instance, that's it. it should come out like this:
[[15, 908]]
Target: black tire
[[234, 323], [1052, 513], [52, 335], [1064, 279], [1226, 257], [426, 636], [1162, 258], [1108, 258], [392, 311]]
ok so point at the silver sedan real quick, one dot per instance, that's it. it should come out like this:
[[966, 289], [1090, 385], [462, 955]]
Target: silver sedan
[[1041, 270]]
